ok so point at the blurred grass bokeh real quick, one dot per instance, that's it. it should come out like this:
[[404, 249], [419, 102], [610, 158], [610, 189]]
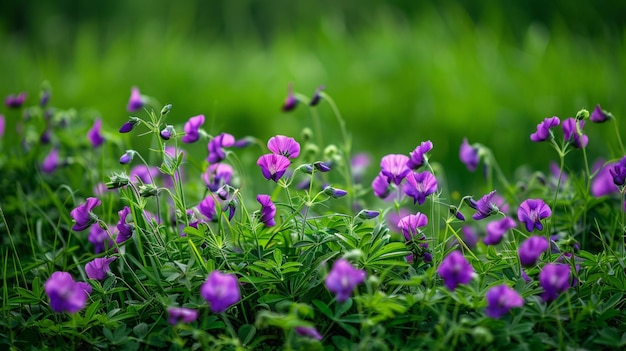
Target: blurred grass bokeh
[[401, 72]]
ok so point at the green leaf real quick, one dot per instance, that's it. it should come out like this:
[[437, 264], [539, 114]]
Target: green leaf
[[246, 333]]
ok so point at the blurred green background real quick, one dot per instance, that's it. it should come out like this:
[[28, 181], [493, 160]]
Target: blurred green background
[[401, 72]]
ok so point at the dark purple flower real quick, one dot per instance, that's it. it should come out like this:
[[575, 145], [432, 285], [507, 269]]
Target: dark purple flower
[[317, 96], [125, 230], [531, 248], [394, 167], [283, 145], [97, 268], [143, 173], [368, 214], [44, 97], [571, 133], [469, 155], [216, 175], [129, 125], [496, 229], [322, 166], [273, 166], [531, 212], [485, 207], [309, 332], [470, 237], [94, 135], [135, 102], [167, 132], [500, 299], [268, 210], [65, 294], [127, 157], [206, 207], [455, 270], [82, 214], [191, 129], [181, 315], [98, 237], [334, 192], [417, 157], [221, 290], [543, 129], [599, 115], [554, 279], [380, 185], [602, 182], [409, 225], [216, 147], [290, 101], [618, 172], [419, 186], [51, 162], [343, 278], [45, 136], [13, 101]]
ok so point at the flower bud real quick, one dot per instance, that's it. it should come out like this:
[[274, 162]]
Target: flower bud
[[166, 109]]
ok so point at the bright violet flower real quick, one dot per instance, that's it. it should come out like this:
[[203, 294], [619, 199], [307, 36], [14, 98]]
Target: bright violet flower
[[570, 133], [216, 147], [191, 129], [221, 290], [409, 225], [469, 155], [500, 299], [334, 192], [290, 101], [135, 102], [485, 207], [419, 186], [309, 332], [51, 162], [13, 101], [94, 135], [380, 185], [417, 157], [343, 278], [554, 279], [531, 248], [268, 210], [216, 175], [144, 174], [206, 207], [599, 115], [65, 294], [618, 172], [273, 166], [181, 315], [97, 268], [543, 129], [317, 96], [282, 145], [531, 212], [393, 218], [98, 237], [394, 168], [455, 270], [496, 229], [83, 215], [125, 230]]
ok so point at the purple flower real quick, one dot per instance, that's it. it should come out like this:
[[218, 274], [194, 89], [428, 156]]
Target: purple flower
[[51, 162], [500, 299], [496, 229], [206, 207], [334, 192], [309, 332], [13, 101], [618, 172], [409, 225], [485, 207], [135, 102], [125, 231], [417, 157], [144, 174], [393, 218], [290, 101], [317, 96], [359, 163], [268, 210], [273, 166], [181, 315], [98, 237], [543, 129], [322, 166], [531, 248], [167, 132], [602, 182], [94, 135], [282, 145], [394, 167], [2, 125], [65, 294], [469, 155], [82, 214], [191, 129], [554, 279], [216, 175], [127, 157], [216, 147], [419, 186], [469, 236], [455, 270], [343, 278], [221, 290], [129, 125], [368, 214], [98, 268], [599, 115], [380, 185], [531, 212], [571, 135]]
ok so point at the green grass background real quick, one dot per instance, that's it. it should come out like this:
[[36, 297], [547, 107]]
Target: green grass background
[[401, 72]]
